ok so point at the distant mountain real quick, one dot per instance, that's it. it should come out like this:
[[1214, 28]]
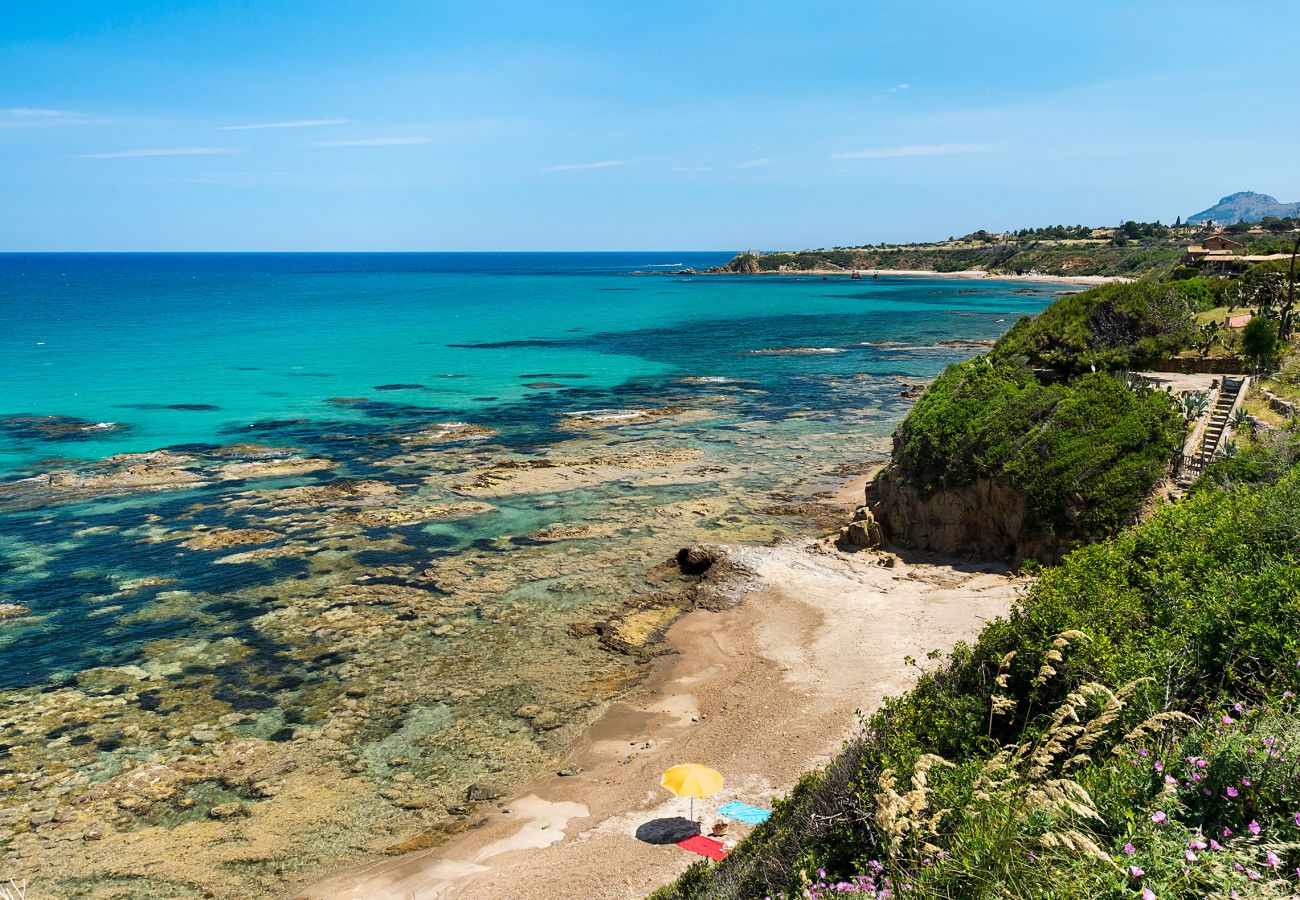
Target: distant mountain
[[1245, 206]]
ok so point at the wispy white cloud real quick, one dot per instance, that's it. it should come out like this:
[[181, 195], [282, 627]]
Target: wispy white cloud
[[600, 164], [898, 88], [691, 169], [755, 163], [27, 112], [910, 150], [260, 177], [164, 151], [375, 142], [296, 123]]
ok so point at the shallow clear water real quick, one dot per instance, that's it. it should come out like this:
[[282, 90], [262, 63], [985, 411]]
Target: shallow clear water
[[385, 610]]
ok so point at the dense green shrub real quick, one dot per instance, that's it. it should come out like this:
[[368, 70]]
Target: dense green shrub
[[1085, 454], [1195, 611], [1263, 461], [1016, 257], [1117, 326], [1259, 341]]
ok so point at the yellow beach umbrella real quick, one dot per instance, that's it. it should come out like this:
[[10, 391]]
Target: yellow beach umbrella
[[692, 780]]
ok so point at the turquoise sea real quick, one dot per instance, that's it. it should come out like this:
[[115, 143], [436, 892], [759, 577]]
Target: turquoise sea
[[396, 490], [234, 339]]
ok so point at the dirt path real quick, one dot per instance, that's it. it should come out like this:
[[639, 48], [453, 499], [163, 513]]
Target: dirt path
[[761, 692]]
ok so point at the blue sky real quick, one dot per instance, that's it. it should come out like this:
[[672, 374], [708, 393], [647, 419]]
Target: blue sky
[[391, 125]]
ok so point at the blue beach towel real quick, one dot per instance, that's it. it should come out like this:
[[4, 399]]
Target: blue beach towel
[[743, 812]]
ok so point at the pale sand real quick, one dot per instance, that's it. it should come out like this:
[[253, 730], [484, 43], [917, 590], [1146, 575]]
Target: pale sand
[[965, 273], [761, 692]]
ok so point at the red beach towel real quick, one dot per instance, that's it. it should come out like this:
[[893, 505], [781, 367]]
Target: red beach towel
[[704, 846]]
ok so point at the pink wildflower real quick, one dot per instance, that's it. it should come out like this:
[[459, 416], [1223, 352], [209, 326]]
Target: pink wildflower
[[1253, 826], [1129, 849], [1159, 817], [1232, 791], [1271, 859], [1135, 872], [1148, 894]]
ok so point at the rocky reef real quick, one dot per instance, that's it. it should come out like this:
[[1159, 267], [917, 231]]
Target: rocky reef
[[276, 658]]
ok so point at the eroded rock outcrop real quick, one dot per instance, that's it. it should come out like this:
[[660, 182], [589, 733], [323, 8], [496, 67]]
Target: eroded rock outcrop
[[986, 520], [862, 533]]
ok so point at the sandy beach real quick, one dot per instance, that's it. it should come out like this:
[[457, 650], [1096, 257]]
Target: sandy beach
[[761, 691], [967, 274]]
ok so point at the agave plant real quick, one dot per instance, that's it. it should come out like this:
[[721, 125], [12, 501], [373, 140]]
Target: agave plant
[[1240, 418]]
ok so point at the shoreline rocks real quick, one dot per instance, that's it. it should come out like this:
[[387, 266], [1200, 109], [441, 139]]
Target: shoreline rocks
[[157, 470], [863, 532], [57, 428]]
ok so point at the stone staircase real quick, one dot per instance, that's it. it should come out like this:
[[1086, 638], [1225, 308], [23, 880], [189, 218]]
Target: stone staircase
[[1214, 437]]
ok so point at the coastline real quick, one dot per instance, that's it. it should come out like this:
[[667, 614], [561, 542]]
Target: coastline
[[819, 632], [369, 613], [965, 274]]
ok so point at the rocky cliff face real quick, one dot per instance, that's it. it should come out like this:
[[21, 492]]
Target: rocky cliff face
[[983, 520], [744, 264]]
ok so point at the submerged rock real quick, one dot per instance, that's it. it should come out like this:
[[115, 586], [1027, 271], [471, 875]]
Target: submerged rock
[[231, 537], [417, 513], [158, 470], [57, 428], [607, 417], [481, 792], [445, 432], [561, 532], [642, 623]]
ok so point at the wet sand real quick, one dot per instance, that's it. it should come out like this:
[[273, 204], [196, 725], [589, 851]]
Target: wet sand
[[762, 692]]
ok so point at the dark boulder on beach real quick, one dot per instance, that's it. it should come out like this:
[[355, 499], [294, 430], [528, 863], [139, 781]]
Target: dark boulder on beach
[[696, 560]]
